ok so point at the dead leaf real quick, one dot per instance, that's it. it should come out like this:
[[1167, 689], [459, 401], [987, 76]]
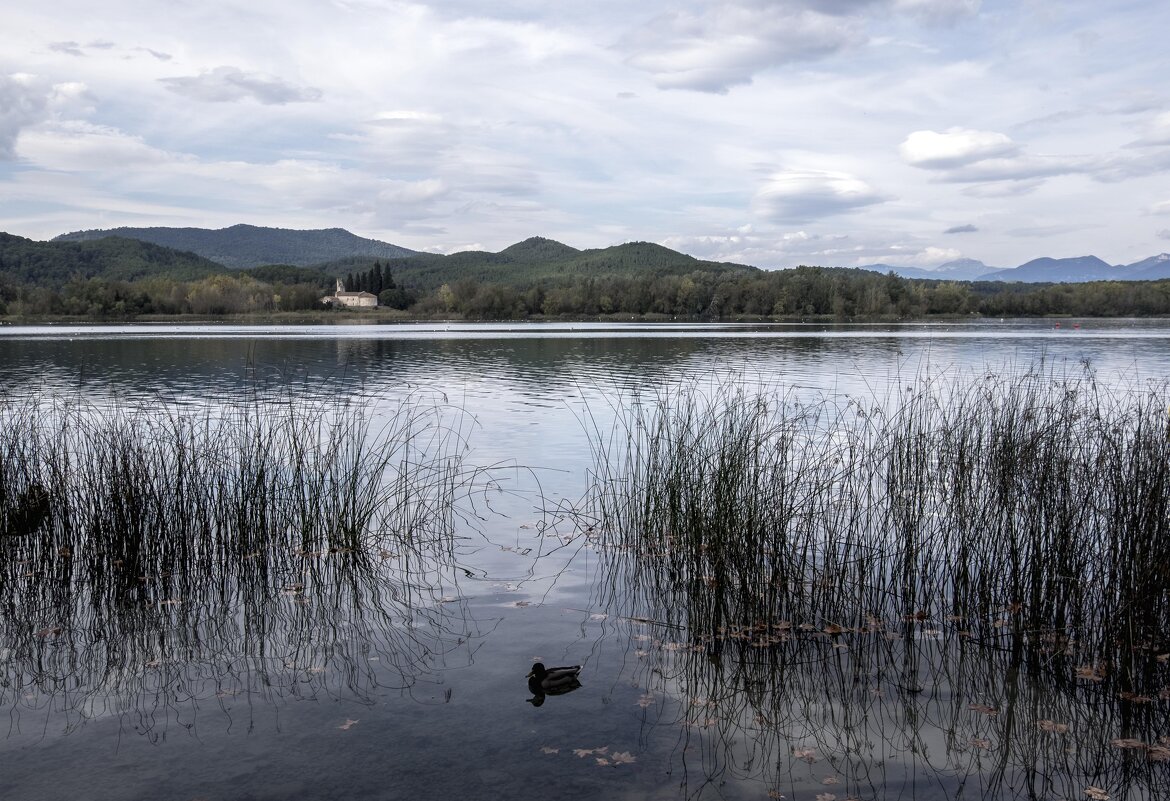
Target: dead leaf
[[826, 797], [623, 758], [1052, 726], [548, 750], [347, 725], [1096, 793], [980, 742], [983, 709], [809, 755], [602, 761]]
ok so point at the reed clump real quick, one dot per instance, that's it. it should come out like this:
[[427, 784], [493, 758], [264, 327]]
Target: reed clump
[[1029, 513], [974, 574], [156, 556]]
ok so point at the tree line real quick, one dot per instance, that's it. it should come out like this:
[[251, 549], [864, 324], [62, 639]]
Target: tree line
[[804, 292]]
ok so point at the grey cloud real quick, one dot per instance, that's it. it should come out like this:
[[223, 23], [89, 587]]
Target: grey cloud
[[961, 229], [1049, 230], [157, 54], [101, 44], [727, 44], [1164, 233], [69, 48], [939, 12], [230, 84], [22, 103]]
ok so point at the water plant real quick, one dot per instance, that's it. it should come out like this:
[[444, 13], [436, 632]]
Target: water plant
[[156, 556], [981, 544]]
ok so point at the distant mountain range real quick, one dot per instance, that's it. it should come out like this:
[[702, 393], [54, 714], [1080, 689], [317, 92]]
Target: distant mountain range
[[1079, 269], [335, 251], [243, 246]]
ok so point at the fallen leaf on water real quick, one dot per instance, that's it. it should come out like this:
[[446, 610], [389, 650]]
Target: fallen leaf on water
[[584, 752], [983, 709], [645, 701], [521, 603], [1127, 742], [809, 755], [1052, 726], [1158, 753], [347, 725], [602, 761], [830, 780], [775, 794], [1096, 793], [548, 750], [623, 758], [826, 797], [598, 616], [1091, 672], [980, 742]]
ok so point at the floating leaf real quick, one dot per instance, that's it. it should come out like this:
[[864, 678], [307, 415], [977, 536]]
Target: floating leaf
[[1091, 672], [1096, 793], [347, 725], [826, 797], [809, 755], [602, 761], [623, 758], [1052, 726], [830, 780], [983, 709], [1158, 753], [1127, 742], [546, 749], [645, 700], [980, 742]]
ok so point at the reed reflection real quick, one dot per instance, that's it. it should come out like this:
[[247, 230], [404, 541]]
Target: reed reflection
[[155, 559], [963, 596]]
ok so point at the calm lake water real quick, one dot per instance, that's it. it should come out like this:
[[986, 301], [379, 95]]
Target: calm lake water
[[415, 688]]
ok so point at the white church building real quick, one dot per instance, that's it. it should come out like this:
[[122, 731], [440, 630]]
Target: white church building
[[352, 299]]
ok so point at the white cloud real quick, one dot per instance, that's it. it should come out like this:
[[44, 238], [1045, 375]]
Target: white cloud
[[801, 195], [955, 147], [23, 99], [228, 84]]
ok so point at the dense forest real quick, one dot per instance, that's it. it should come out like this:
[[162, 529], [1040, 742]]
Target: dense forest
[[116, 278]]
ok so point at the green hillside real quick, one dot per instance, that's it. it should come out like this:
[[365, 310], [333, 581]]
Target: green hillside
[[243, 246], [539, 260], [51, 264]]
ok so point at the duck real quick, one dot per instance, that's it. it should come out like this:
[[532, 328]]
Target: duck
[[553, 681]]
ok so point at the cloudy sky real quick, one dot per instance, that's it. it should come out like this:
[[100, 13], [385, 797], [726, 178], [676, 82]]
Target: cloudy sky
[[770, 132]]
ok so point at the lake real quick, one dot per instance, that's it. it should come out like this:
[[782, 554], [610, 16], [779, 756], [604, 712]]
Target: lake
[[325, 675]]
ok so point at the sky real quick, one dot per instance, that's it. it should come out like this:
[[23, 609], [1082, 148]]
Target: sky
[[772, 133]]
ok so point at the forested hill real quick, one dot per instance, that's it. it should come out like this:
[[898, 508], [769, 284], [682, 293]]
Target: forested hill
[[25, 261], [538, 260], [242, 246]]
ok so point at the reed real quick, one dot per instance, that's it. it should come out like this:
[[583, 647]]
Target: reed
[[158, 556], [1018, 527]]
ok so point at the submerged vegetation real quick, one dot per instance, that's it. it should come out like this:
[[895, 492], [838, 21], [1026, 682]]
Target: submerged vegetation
[[977, 573]]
